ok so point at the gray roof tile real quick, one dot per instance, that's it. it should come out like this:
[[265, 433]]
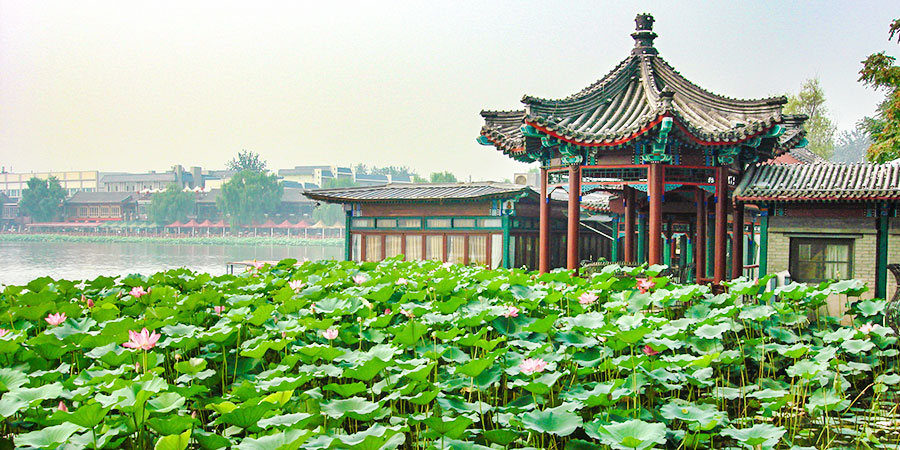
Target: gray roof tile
[[421, 192], [821, 182]]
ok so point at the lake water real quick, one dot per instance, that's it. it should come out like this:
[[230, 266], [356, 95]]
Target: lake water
[[25, 261]]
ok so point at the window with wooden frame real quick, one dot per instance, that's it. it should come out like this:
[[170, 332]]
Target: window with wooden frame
[[820, 259]]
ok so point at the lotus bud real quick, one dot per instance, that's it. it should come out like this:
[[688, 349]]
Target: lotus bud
[[62, 407]]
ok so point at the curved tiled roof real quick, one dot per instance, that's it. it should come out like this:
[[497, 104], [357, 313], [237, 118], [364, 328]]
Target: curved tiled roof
[[631, 99], [821, 182], [421, 192]]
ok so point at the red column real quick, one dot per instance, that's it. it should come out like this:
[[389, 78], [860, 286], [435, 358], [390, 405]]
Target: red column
[[574, 214], [721, 232], [700, 238], [655, 193], [737, 240], [544, 236], [630, 209]]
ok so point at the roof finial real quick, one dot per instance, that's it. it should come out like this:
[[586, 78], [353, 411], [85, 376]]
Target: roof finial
[[643, 35]]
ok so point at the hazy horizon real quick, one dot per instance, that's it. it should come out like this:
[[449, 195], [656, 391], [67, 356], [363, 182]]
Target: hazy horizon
[[114, 86]]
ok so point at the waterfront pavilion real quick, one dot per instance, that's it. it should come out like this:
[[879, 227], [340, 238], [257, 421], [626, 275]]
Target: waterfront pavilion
[[671, 151]]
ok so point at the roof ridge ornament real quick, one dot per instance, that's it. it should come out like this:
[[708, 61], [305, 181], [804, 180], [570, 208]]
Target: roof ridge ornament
[[643, 35]]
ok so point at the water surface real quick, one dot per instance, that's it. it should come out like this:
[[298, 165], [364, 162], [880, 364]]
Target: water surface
[[25, 261]]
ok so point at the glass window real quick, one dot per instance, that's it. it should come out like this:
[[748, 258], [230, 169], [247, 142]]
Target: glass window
[[355, 246], [512, 251], [438, 223], [387, 223], [409, 223], [359, 222], [434, 247], [456, 249], [490, 223], [478, 249], [819, 259], [463, 223], [373, 248], [413, 248], [392, 245]]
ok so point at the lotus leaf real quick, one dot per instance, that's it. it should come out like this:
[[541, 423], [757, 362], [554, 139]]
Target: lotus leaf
[[632, 434]]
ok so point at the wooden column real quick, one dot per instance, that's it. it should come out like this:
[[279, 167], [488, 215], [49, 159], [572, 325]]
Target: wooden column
[[700, 241], [574, 216], [544, 237], [630, 212], [641, 239], [881, 250], [721, 254], [655, 194], [614, 246], [763, 241], [737, 240]]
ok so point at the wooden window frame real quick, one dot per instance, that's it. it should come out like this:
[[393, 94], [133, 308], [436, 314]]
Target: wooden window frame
[[794, 256]]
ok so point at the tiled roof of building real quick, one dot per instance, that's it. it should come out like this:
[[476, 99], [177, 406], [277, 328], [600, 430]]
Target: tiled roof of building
[[632, 99], [82, 197], [597, 202], [797, 156], [290, 195], [820, 182], [421, 192]]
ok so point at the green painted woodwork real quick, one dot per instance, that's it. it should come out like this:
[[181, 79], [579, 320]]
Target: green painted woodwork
[[667, 251], [572, 160], [881, 252], [506, 243], [803, 143], [614, 245], [763, 242], [658, 146], [726, 155], [775, 131], [347, 237], [530, 131], [642, 239], [424, 223], [710, 246], [483, 140]]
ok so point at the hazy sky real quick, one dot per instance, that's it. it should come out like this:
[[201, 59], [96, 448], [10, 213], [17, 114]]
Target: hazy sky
[[134, 86]]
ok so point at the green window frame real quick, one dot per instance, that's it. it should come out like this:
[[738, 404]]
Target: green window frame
[[814, 260]]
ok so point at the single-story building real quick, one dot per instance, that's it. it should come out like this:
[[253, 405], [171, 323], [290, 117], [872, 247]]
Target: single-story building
[[100, 206], [494, 224]]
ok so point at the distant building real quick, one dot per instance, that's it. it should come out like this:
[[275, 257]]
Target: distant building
[[317, 176], [100, 207], [12, 184], [152, 181], [9, 211], [293, 205]]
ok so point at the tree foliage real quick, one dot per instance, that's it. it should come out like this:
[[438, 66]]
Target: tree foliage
[[851, 145], [171, 205], [820, 129], [328, 213], [42, 199], [880, 72], [247, 160], [249, 196], [443, 177]]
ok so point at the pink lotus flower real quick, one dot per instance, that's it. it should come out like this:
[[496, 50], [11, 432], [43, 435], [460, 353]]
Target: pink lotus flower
[[138, 292], [55, 319], [587, 298], [406, 313], [447, 265], [387, 311], [644, 285], [402, 281], [90, 303], [62, 406], [258, 264], [144, 340], [3, 332], [137, 366], [296, 285], [219, 309], [868, 328], [649, 351], [330, 334], [360, 279], [511, 311], [532, 365]]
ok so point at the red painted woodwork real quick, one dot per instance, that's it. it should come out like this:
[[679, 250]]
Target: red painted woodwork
[[655, 192], [721, 231], [700, 238], [544, 239], [630, 215], [737, 242]]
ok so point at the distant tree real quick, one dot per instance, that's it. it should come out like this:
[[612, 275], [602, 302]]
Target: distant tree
[[361, 169], [394, 171], [249, 196], [851, 145], [328, 213], [170, 205], [820, 129], [247, 160], [42, 199], [332, 183], [418, 179], [443, 177], [880, 72]]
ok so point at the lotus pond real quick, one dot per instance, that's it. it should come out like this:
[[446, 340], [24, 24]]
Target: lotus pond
[[419, 355]]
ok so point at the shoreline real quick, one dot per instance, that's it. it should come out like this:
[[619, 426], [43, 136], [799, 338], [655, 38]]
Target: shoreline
[[202, 240]]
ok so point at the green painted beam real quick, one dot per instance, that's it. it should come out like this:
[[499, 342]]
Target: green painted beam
[[710, 246], [881, 252], [506, 246], [667, 251], [763, 242], [347, 237]]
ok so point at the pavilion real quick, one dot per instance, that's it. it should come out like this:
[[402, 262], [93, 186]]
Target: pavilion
[[672, 151]]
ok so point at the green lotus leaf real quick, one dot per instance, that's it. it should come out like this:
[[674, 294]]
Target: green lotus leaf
[[171, 425], [756, 312], [279, 398], [712, 331], [345, 390], [13, 401], [825, 400], [503, 437], [888, 378], [287, 420], [409, 334], [704, 417], [49, 437], [871, 307], [87, 416], [631, 336], [354, 407], [633, 434], [857, 346], [174, 442], [558, 421], [247, 416], [806, 369], [451, 427], [367, 370], [211, 441], [192, 366], [288, 440], [474, 367], [543, 324], [757, 436], [12, 379], [377, 437], [257, 347]]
